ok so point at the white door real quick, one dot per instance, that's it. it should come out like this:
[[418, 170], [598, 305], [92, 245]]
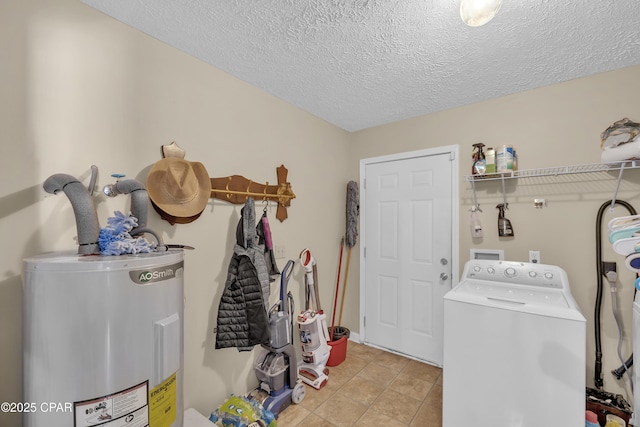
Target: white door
[[408, 246]]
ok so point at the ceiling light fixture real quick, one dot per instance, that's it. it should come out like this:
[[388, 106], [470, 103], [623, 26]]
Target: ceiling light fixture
[[478, 12]]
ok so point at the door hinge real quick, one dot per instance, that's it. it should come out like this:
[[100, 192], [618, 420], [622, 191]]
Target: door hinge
[[364, 321], [452, 156], [364, 250]]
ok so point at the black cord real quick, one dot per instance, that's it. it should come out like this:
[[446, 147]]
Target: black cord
[[597, 377], [619, 372]]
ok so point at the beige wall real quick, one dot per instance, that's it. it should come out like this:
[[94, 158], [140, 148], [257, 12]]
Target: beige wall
[[78, 88], [553, 126]]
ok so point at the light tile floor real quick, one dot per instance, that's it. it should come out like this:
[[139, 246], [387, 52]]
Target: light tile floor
[[372, 388]]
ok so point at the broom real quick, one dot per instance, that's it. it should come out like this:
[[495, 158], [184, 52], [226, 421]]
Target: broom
[[351, 235], [335, 298]]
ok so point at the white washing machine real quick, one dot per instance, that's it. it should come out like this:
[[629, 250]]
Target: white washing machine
[[514, 348]]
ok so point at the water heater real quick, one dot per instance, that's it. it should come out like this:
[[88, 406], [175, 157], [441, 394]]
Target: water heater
[[103, 340]]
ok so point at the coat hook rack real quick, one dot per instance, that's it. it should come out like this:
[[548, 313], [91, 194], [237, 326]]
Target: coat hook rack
[[236, 189]]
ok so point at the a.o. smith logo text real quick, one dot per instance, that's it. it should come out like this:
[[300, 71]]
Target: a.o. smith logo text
[[145, 277]]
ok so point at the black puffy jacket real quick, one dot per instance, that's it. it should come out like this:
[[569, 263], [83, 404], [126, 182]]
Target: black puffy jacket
[[242, 314]]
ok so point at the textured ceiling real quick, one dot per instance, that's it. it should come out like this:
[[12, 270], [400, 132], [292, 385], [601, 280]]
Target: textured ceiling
[[363, 63]]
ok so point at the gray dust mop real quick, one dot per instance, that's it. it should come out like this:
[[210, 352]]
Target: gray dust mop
[[353, 209]]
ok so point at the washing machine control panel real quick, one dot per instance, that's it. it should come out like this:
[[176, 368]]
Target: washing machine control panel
[[518, 273]]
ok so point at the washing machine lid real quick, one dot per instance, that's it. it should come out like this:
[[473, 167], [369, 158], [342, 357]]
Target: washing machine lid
[[520, 298], [524, 287]]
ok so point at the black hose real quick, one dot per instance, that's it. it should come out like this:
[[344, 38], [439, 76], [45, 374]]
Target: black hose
[[597, 377], [619, 372]]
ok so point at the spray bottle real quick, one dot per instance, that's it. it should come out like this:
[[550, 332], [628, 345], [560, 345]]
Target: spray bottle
[[479, 165], [504, 225], [476, 226]]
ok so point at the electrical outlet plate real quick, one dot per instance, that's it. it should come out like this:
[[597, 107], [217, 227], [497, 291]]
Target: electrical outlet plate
[[534, 257], [279, 251], [539, 203]]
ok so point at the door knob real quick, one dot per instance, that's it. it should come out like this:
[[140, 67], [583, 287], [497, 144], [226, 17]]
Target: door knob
[[443, 276]]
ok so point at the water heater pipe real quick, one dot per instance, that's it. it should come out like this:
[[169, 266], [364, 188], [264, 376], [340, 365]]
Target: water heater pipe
[[87, 224], [139, 200]]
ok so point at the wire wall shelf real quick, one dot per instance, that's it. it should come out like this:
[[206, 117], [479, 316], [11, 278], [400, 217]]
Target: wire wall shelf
[[556, 171]]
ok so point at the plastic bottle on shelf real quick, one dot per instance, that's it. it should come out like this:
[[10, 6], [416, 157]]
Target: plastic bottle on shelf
[[504, 159], [591, 419], [490, 158]]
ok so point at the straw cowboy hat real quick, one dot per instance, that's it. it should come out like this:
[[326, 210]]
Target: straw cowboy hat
[[179, 190]]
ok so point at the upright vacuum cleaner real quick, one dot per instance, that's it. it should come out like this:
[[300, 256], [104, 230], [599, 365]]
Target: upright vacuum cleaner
[[276, 368], [314, 335]]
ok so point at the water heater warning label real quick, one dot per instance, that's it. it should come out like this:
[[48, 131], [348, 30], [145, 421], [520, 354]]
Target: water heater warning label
[[162, 403], [127, 408]]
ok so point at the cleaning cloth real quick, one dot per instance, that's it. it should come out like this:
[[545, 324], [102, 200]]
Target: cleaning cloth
[[114, 239]]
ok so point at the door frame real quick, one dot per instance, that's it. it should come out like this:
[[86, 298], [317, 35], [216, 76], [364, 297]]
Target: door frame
[[453, 151]]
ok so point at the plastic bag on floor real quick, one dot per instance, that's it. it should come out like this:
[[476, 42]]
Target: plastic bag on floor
[[240, 411]]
